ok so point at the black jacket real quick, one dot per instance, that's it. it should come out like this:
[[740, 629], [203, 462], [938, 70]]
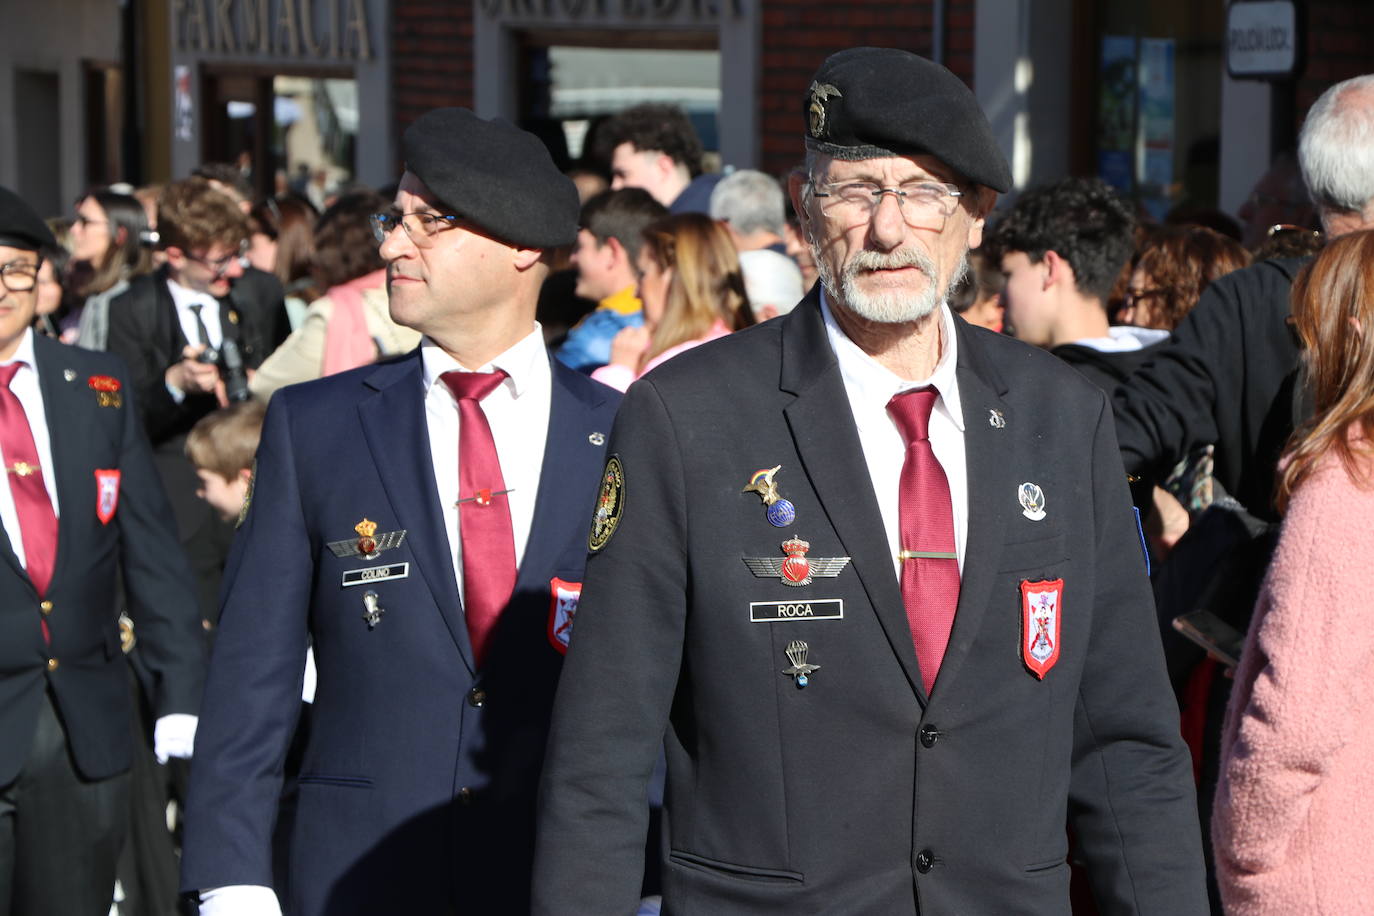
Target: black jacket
[[1105, 369], [1227, 378]]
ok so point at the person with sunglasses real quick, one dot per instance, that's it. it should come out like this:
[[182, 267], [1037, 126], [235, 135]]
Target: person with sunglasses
[[423, 522], [85, 532]]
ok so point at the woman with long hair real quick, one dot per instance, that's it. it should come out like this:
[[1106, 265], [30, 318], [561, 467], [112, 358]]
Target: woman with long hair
[[111, 245], [281, 242], [1294, 817], [692, 291], [1173, 267], [351, 324]]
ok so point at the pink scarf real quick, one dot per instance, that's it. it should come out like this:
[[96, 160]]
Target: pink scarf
[[347, 345]]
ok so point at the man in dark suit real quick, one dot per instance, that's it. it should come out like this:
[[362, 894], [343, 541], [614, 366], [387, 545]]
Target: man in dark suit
[[429, 539], [81, 502], [875, 571]]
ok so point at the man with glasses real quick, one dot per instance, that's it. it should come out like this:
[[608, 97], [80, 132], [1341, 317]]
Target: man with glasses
[[1061, 249], [875, 572], [422, 522], [175, 328], [82, 509]]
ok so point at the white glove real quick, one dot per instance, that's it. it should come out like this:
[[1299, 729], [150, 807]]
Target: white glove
[[239, 900], [174, 736]]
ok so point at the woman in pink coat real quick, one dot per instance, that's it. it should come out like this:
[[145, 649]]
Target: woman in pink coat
[[692, 289], [1293, 824]]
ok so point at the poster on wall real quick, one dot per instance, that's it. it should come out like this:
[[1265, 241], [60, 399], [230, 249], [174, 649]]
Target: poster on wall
[[1116, 112], [1155, 165], [182, 105]]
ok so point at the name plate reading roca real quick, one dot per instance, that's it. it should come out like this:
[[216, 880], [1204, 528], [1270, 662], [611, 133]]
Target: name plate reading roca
[[376, 574], [773, 611]]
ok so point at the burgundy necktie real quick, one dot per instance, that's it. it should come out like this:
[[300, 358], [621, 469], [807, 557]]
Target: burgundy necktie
[[37, 521], [930, 567], [483, 510]]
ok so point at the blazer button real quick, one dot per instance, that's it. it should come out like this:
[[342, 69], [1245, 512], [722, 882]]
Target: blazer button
[[477, 697], [929, 735], [45, 607], [925, 859], [52, 664]]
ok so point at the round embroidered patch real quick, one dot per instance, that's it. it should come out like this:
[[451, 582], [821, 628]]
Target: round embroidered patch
[[610, 505]]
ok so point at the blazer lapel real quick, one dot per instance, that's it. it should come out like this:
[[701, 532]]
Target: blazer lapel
[[991, 493], [61, 404], [393, 421], [568, 455], [827, 441]]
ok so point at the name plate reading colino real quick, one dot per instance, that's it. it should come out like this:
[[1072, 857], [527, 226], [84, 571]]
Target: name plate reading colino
[[772, 611], [376, 574]]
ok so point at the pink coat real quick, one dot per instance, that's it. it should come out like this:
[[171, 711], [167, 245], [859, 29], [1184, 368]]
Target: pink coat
[[1293, 824], [619, 377]]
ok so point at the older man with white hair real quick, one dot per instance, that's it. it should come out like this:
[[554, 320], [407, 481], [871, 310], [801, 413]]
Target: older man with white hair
[[751, 205]]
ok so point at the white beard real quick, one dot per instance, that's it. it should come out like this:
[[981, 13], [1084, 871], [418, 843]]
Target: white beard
[[886, 307]]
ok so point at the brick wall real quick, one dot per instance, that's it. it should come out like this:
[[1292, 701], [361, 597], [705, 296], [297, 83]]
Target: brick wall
[[431, 57], [1340, 44], [799, 34]]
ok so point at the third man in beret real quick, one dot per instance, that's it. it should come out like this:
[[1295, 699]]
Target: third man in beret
[[422, 523], [873, 575]]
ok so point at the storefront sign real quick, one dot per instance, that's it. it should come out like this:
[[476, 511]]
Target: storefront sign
[[1262, 39], [618, 11], [330, 30]]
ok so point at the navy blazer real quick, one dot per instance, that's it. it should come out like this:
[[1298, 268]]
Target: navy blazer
[[418, 780], [84, 667]]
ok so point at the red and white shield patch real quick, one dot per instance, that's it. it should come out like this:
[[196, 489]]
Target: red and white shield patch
[[563, 598], [106, 494], [1042, 606]]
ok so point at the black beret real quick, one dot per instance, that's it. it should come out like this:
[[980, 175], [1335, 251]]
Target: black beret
[[20, 227], [493, 173], [868, 103]]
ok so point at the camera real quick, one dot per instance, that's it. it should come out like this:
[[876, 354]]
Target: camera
[[230, 361]]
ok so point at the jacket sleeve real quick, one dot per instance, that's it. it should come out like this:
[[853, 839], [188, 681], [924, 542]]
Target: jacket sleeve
[[1306, 674], [1132, 807], [618, 681], [252, 697], [157, 575], [300, 358]]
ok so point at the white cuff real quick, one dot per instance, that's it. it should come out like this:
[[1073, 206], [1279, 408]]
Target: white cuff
[[239, 900], [174, 736]]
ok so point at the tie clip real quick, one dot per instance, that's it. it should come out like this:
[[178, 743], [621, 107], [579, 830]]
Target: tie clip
[[22, 468], [483, 497], [927, 555]]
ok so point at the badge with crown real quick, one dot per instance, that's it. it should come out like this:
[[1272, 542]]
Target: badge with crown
[[369, 544]]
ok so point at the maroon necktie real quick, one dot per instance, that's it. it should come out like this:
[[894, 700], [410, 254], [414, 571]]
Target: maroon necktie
[[37, 521], [483, 510], [930, 567]]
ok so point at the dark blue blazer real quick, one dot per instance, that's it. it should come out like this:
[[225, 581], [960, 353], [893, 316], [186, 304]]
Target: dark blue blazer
[[418, 781]]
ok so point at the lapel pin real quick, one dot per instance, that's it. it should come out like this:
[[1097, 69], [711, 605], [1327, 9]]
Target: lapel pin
[[106, 388], [69, 374], [796, 569], [369, 544], [780, 511], [373, 611], [995, 419], [597, 438], [797, 650], [1032, 501]]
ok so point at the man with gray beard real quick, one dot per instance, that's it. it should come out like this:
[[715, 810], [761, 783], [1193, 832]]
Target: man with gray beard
[[871, 575]]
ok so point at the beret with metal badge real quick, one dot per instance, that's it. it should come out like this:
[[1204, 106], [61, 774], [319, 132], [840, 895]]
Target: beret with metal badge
[[20, 226], [494, 174], [869, 103]]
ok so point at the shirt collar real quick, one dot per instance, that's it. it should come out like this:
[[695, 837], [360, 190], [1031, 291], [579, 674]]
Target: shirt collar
[[184, 297], [872, 384], [624, 302], [25, 352], [525, 363]]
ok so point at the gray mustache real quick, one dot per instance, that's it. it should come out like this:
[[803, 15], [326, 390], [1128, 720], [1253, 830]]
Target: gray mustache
[[889, 260]]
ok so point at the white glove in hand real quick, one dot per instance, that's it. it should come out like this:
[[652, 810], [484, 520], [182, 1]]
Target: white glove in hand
[[239, 900], [174, 736]]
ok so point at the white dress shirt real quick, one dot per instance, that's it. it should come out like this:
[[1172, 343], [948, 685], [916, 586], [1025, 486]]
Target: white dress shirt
[[184, 299], [26, 389], [869, 387], [518, 413]]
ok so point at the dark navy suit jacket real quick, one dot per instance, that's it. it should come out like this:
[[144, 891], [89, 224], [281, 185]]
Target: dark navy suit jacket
[[418, 781]]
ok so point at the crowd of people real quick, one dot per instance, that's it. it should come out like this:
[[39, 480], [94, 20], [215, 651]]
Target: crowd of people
[[941, 556]]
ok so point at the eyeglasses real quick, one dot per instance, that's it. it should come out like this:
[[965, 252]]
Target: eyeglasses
[[1285, 230], [420, 227], [220, 265], [1136, 296], [18, 276], [918, 200]]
